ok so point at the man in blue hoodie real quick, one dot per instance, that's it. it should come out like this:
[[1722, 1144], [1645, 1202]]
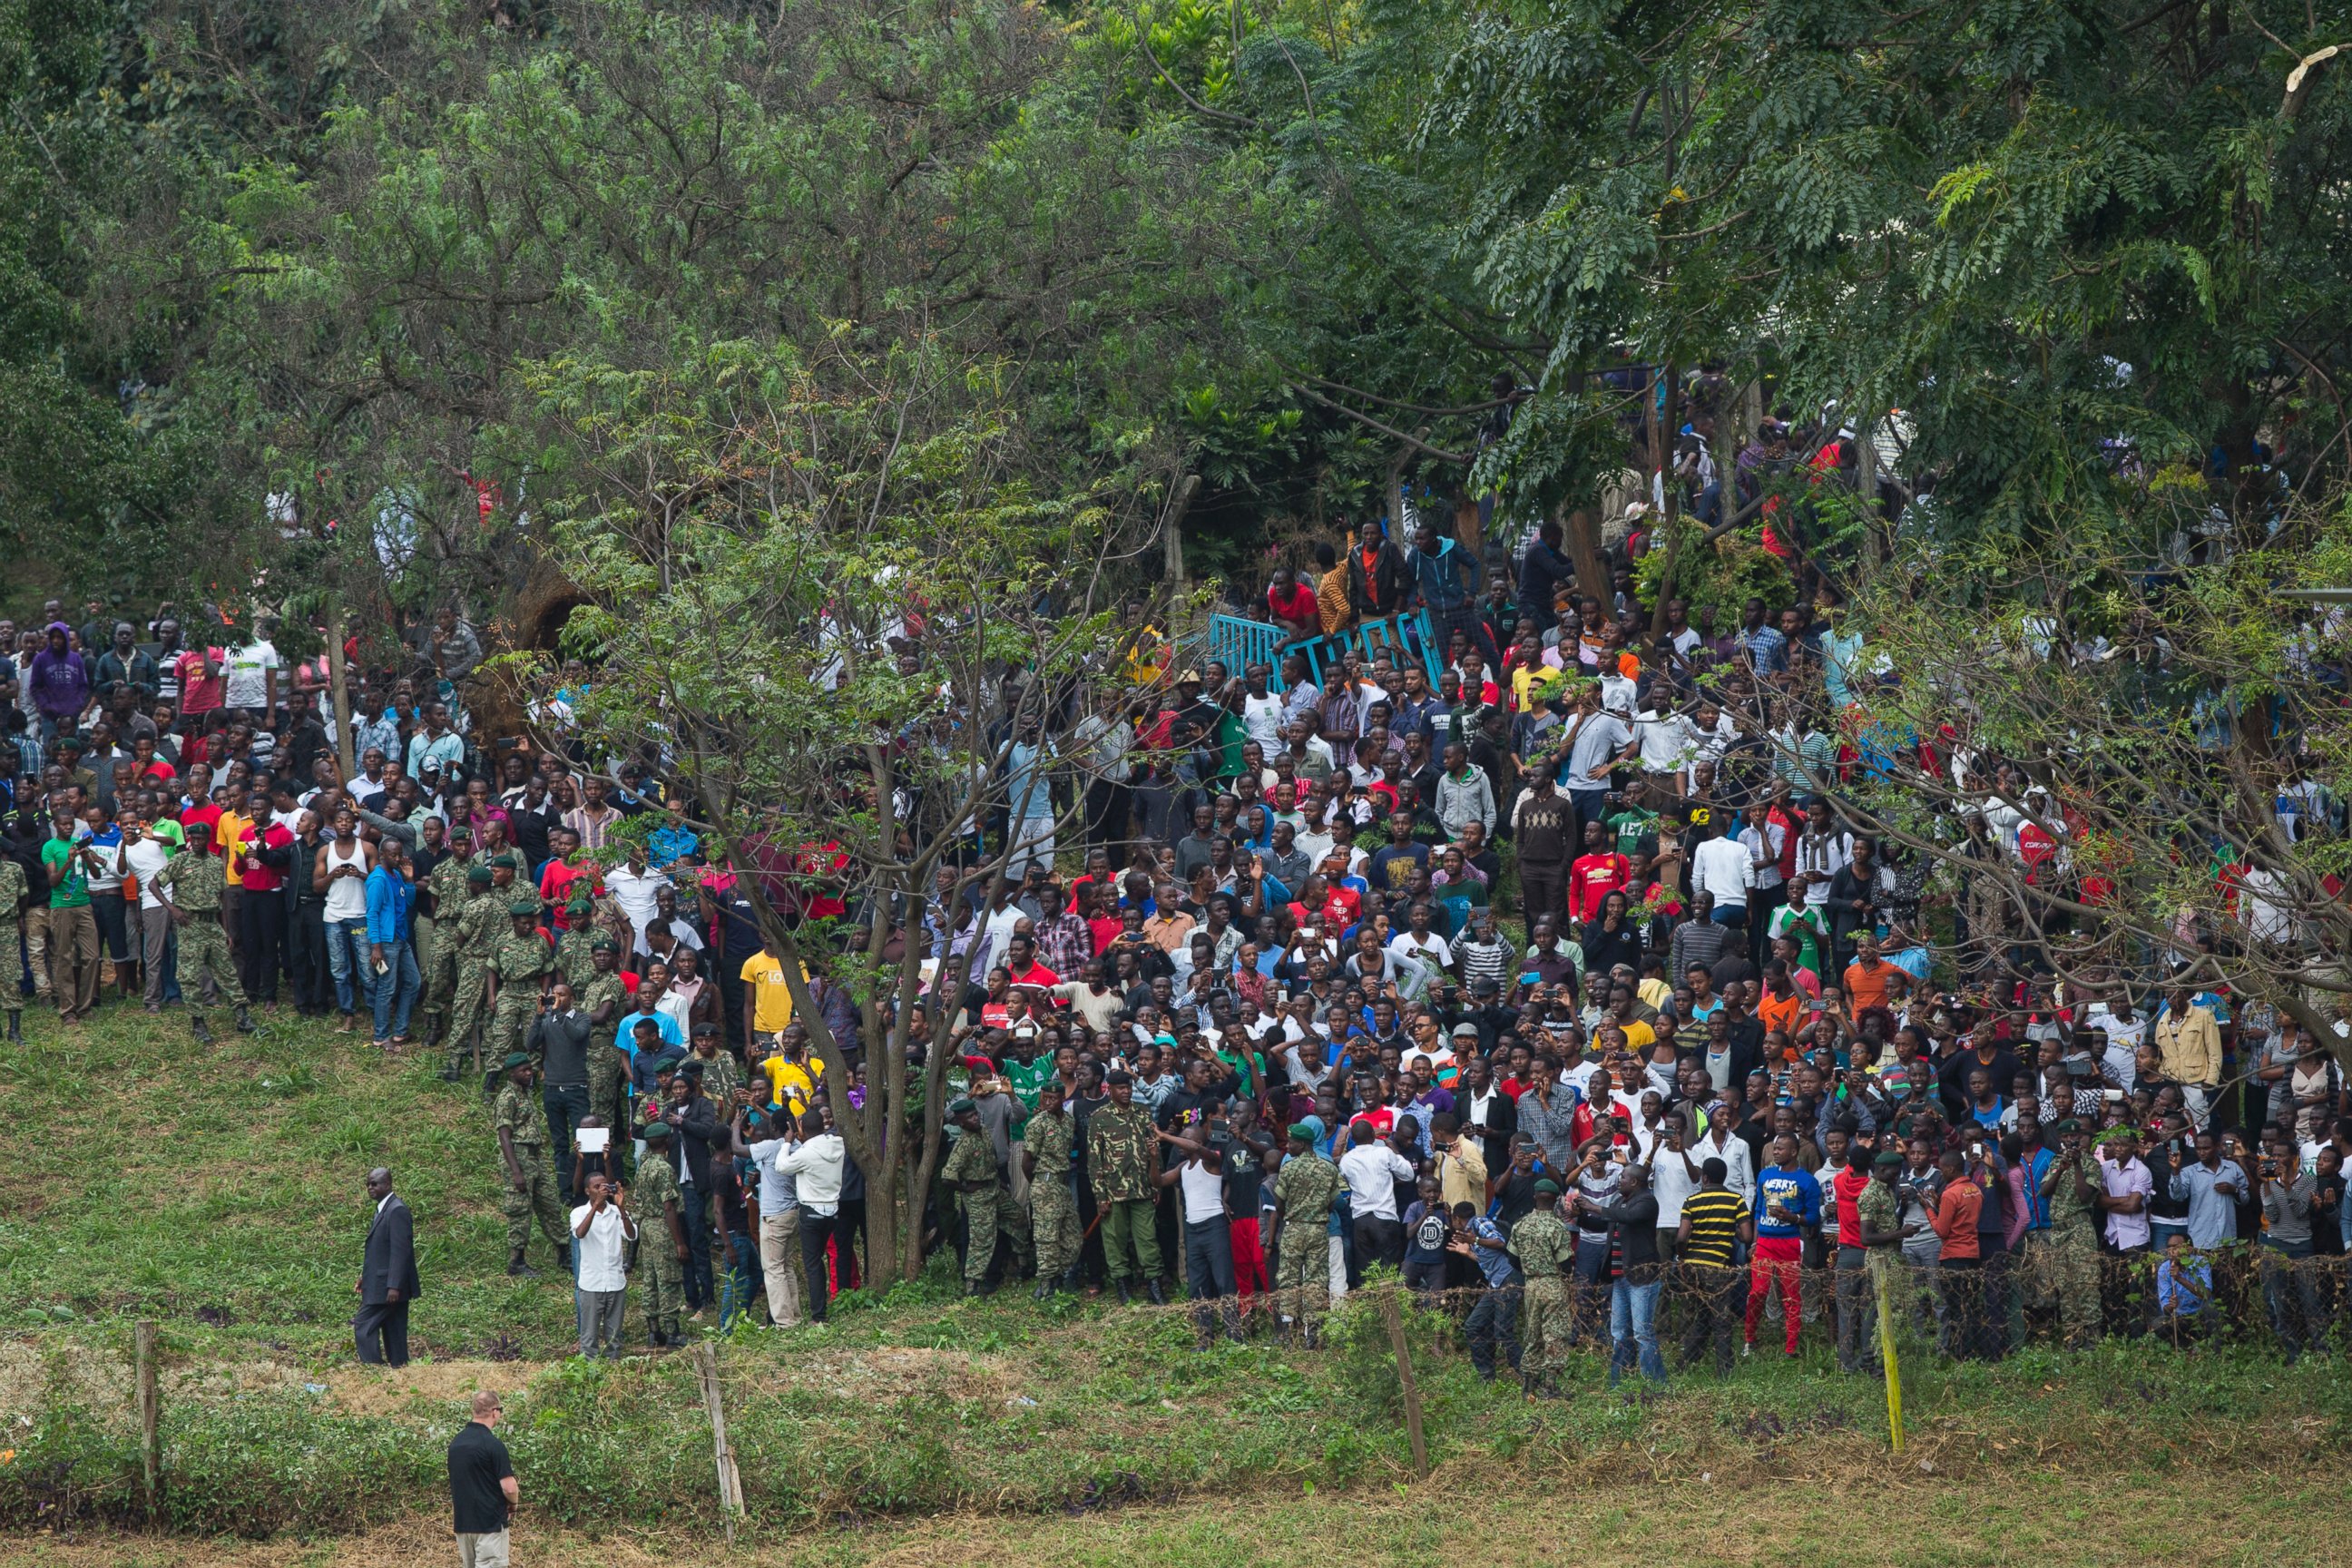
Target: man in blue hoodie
[[1446, 577]]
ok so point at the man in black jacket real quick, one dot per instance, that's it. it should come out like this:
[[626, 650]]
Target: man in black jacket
[[697, 1125], [387, 1278], [1380, 578]]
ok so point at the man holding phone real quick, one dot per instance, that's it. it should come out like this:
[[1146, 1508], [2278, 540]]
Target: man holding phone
[[601, 1227], [72, 927]]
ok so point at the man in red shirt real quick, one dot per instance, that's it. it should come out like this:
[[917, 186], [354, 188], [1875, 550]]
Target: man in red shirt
[[1021, 963], [1597, 873], [204, 682], [1854, 1302], [555, 879], [1291, 601]]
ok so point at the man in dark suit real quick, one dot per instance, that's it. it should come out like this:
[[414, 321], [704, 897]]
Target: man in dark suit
[[387, 1278]]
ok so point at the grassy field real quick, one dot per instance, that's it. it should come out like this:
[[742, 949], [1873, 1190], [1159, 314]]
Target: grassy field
[[217, 1191]]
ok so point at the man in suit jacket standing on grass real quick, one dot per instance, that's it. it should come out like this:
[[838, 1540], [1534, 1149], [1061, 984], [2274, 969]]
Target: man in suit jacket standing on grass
[[387, 1278]]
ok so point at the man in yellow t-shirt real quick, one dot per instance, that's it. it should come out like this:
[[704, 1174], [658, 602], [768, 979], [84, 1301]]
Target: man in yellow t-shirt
[[788, 1083], [233, 834], [767, 1000]]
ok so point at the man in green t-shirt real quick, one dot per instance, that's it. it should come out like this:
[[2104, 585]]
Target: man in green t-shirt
[[73, 928]]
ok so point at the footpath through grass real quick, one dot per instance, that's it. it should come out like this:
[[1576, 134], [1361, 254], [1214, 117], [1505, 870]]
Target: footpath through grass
[[217, 1193]]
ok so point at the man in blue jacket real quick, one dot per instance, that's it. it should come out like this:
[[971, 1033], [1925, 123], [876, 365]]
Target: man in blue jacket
[[391, 955]]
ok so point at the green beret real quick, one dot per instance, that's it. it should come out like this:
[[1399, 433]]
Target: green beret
[[604, 944], [1886, 1157], [521, 907], [1304, 1133], [957, 1107], [576, 907], [480, 875], [2069, 1125], [655, 1131], [1546, 1184], [515, 1059]]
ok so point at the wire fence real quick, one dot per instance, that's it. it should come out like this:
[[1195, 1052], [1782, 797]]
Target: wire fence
[[2242, 1294]]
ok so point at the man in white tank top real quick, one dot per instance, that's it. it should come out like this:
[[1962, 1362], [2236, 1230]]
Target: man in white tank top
[[342, 875]]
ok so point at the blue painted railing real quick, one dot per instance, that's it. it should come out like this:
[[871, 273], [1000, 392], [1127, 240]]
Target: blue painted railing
[[1238, 642]]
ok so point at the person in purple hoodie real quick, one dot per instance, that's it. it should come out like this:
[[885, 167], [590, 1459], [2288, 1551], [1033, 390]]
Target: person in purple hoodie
[[60, 683]]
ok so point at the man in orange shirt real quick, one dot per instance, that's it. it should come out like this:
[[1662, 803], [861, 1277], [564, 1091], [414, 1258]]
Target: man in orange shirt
[[1782, 1006], [1869, 979]]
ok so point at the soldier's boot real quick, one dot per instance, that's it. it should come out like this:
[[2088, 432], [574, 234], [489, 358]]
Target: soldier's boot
[[1313, 1336], [244, 1024], [15, 1026], [449, 1074], [564, 1257], [1126, 1294], [203, 1036], [975, 1287], [1152, 1289], [1044, 1287], [518, 1269]]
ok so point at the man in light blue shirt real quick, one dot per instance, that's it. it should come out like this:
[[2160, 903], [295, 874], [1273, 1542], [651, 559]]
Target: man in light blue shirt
[[391, 955], [2211, 1188]]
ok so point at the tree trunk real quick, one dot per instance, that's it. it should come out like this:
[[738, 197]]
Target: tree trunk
[[1584, 548], [1669, 490]]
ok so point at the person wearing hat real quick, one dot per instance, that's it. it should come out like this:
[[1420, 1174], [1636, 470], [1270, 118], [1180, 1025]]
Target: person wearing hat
[[2071, 1189], [468, 939], [972, 1173], [1543, 1245], [522, 963], [1305, 1190], [662, 1255], [529, 1185]]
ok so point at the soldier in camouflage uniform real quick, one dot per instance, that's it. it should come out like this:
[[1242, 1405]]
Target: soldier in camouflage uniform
[[529, 1186], [721, 1074], [469, 939], [1047, 1146], [2074, 1187], [1123, 1161], [603, 998], [191, 883], [1304, 1191], [1878, 1216], [521, 966], [575, 956], [1543, 1246], [13, 971], [970, 1172], [439, 938], [662, 1251]]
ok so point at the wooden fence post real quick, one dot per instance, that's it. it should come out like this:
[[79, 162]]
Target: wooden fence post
[[150, 1442], [1388, 1310], [730, 1482]]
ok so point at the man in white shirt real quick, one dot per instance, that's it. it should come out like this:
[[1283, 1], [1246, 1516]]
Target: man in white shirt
[[599, 1229], [2125, 1027], [1725, 868], [1668, 742], [252, 678], [1372, 1169], [142, 854], [633, 887]]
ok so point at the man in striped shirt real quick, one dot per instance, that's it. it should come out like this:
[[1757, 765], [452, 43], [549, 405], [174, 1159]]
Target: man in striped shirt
[[1715, 1219]]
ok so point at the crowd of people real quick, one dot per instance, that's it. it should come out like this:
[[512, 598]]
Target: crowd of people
[[1530, 963]]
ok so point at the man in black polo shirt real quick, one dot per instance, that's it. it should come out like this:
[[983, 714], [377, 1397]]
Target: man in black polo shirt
[[482, 1491]]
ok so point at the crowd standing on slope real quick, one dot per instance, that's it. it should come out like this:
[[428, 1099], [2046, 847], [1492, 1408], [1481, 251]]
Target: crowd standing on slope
[[1522, 960]]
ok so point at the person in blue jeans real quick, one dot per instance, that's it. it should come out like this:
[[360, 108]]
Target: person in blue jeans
[[391, 956], [1633, 1299]]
